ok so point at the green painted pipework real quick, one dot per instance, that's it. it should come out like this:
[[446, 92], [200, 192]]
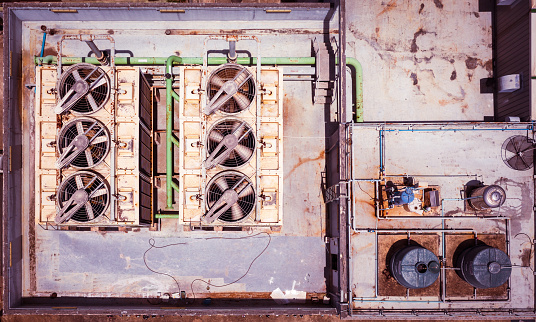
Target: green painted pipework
[[47, 60], [170, 96], [358, 83]]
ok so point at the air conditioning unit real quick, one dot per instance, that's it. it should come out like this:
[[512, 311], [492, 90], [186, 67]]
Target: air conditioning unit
[[231, 157], [93, 148]]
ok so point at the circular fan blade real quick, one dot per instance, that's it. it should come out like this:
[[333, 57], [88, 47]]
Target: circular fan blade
[[235, 203], [79, 182], [518, 152], [76, 75], [82, 196], [236, 212], [221, 184], [230, 144], [231, 89], [511, 146], [82, 143], [242, 100], [83, 89], [216, 136], [243, 151], [89, 211], [217, 81]]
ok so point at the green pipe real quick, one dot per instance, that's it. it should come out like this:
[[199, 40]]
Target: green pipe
[[178, 60], [358, 82], [170, 95]]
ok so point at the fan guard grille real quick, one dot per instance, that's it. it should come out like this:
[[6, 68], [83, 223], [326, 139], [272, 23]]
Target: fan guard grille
[[97, 149], [98, 203], [245, 149], [518, 152], [98, 94], [246, 93], [246, 201]]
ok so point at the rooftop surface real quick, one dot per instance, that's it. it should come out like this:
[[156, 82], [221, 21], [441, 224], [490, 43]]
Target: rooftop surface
[[423, 110]]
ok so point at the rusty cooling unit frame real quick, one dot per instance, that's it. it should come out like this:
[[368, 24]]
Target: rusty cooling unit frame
[[231, 151], [93, 147]]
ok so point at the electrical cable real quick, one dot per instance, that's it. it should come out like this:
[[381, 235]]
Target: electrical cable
[[530, 253], [249, 268], [152, 244], [368, 194]]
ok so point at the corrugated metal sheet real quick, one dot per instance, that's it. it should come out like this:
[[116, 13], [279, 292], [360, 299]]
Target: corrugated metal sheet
[[512, 56]]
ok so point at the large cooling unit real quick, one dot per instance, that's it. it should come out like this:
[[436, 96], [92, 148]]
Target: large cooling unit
[[93, 146], [231, 151]]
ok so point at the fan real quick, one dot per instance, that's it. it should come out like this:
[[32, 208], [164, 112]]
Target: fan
[[83, 89], [83, 143], [230, 143], [518, 152], [231, 89], [230, 197], [82, 196]]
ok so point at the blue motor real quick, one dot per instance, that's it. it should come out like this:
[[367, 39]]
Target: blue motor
[[397, 197]]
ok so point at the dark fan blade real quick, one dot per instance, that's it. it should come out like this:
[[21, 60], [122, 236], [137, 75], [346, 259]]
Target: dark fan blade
[[241, 100], [215, 136], [236, 212], [216, 81], [222, 184], [243, 151], [512, 146], [515, 162]]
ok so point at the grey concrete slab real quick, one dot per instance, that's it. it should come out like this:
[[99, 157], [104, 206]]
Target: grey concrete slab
[[421, 61], [112, 264]]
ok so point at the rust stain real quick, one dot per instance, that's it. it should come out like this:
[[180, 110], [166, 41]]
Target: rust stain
[[390, 6], [414, 46], [301, 162], [422, 7], [438, 4], [110, 32], [443, 102], [488, 65], [471, 62], [413, 76], [525, 257]]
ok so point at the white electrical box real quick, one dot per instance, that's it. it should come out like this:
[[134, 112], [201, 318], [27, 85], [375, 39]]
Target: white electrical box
[[509, 83]]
